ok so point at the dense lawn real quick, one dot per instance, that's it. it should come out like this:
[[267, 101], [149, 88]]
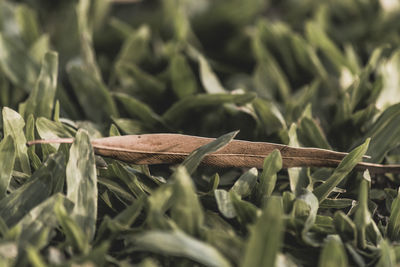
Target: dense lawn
[[310, 73]]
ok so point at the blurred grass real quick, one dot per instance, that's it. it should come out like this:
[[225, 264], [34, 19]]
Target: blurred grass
[[304, 73]]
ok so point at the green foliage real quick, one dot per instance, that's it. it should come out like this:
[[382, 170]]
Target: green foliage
[[305, 73]]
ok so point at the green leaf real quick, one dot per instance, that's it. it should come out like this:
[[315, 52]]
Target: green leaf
[[40, 47], [311, 134], [272, 164], [194, 159], [16, 64], [362, 217], [224, 203], [30, 136], [130, 180], [317, 36], [312, 205], [73, 232], [37, 225], [128, 126], [44, 182], [387, 255], [245, 183], [186, 212], [159, 202], [175, 115], [344, 168], [82, 184], [144, 83], [13, 125], [269, 76], [86, 85], [34, 257], [245, 211], [139, 110], [384, 133], [7, 158], [209, 79], [178, 244], [135, 47], [333, 253], [28, 22], [41, 99], [390, 93], [48, 129], [338, 203], [269, 116], [298, 177], [183, 80], [266, 235], [393, 227], [345, 227]]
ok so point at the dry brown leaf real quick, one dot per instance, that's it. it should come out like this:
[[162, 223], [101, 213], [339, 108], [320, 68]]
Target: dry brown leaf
[[174, 148]]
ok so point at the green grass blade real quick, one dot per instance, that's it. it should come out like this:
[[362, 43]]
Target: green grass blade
[[224, 203], [384, 134], [73, 232], [311, 134], [182, 77], [309, 206], [387, 255], [7, 159], [298, 177], [272, 164], [175, 115], [41, 99], [179, 244], [13, 125], [82, 184], [344, 168], [245, 211], [16, 63], [246, 183], [86, 85], [269, 116], [30, 136], [265, 236], [362, 217], [145, 83], [39, 187], [393, 227], [37, 225], [345, 227], [187, 211], [139, 110], [209, 79], [194, 159], [333, 253]]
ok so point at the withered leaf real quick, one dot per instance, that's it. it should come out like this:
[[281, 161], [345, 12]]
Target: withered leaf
[[174, 148]]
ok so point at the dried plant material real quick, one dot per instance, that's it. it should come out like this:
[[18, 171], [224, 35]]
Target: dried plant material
[[174, 148]]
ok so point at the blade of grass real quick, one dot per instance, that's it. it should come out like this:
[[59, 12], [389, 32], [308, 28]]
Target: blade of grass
[[13, 125], [187, 211], [344, 168], [7, 159], [40, 186], [41, 99], [82, 184], [333, 253], [193, 160], [272, 164], [178, 244], [265, 236]]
